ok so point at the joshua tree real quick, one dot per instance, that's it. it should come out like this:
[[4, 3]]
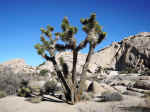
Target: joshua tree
[[91, 27]]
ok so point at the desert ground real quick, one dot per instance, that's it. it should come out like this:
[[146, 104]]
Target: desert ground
[[19, 104]]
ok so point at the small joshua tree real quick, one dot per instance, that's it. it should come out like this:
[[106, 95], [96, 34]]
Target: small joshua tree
[[72, 89]]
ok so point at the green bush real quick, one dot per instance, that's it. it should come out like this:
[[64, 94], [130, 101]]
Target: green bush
[[35, 99], [3, 94], [24, 92], [43, 72]]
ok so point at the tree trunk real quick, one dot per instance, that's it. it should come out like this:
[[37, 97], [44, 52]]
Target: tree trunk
[[85, 67], [75, 54], [74, 80], [67, 88]]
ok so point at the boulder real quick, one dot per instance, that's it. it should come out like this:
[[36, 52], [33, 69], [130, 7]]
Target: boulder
[[121, 89], [87, 83], [133, 93], [98, 89], [113, 73], [133, 51]]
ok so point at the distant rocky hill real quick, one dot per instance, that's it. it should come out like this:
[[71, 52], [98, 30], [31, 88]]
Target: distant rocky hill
[[17, 66], [133, 51]]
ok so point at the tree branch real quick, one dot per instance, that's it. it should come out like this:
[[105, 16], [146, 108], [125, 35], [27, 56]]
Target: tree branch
[[82, 44], [85, 67], [61, 47], [48, 58]]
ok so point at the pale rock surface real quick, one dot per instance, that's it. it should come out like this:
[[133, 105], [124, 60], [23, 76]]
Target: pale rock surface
[[132, 51], [17, 66], [38, 84], [87, 83], [121, 89], [98, 89]]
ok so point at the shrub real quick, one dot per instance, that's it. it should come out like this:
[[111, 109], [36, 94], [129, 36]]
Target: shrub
[[87, 96], [10, 82], [128, 70], [147, 98], [146, 72], [35, 99], [24, 92], [111, 96], [50, 86], [2, 94], [43, 72]]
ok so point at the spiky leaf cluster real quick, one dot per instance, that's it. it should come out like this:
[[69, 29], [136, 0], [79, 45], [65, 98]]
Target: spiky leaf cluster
[[40, 49], [90, 23], [94, 35], [93, 29], [68, 31], [46, 44]]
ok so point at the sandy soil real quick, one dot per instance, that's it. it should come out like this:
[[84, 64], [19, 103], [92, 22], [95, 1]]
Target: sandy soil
[[19, 104]]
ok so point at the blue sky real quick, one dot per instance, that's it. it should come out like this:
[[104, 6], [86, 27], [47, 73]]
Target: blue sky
[[21, 20]]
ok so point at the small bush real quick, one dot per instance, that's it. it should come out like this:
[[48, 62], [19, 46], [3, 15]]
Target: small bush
[[128, 70], [24, 92], [50, 86], [3, 94], [10, 82], [43, 72], [147, 101], [87, 96], [35, 99], [111, 96], [146, 72]]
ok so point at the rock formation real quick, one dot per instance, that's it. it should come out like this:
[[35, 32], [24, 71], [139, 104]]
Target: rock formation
[[17, 66], [133, 51]]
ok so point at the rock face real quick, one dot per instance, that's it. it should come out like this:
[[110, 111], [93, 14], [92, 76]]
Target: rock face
[[133, 51], [67, 56], [15, 62], [17, 66]]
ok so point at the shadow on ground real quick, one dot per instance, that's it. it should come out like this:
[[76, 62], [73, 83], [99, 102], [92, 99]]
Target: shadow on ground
[[136, 109], [52, 100]]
